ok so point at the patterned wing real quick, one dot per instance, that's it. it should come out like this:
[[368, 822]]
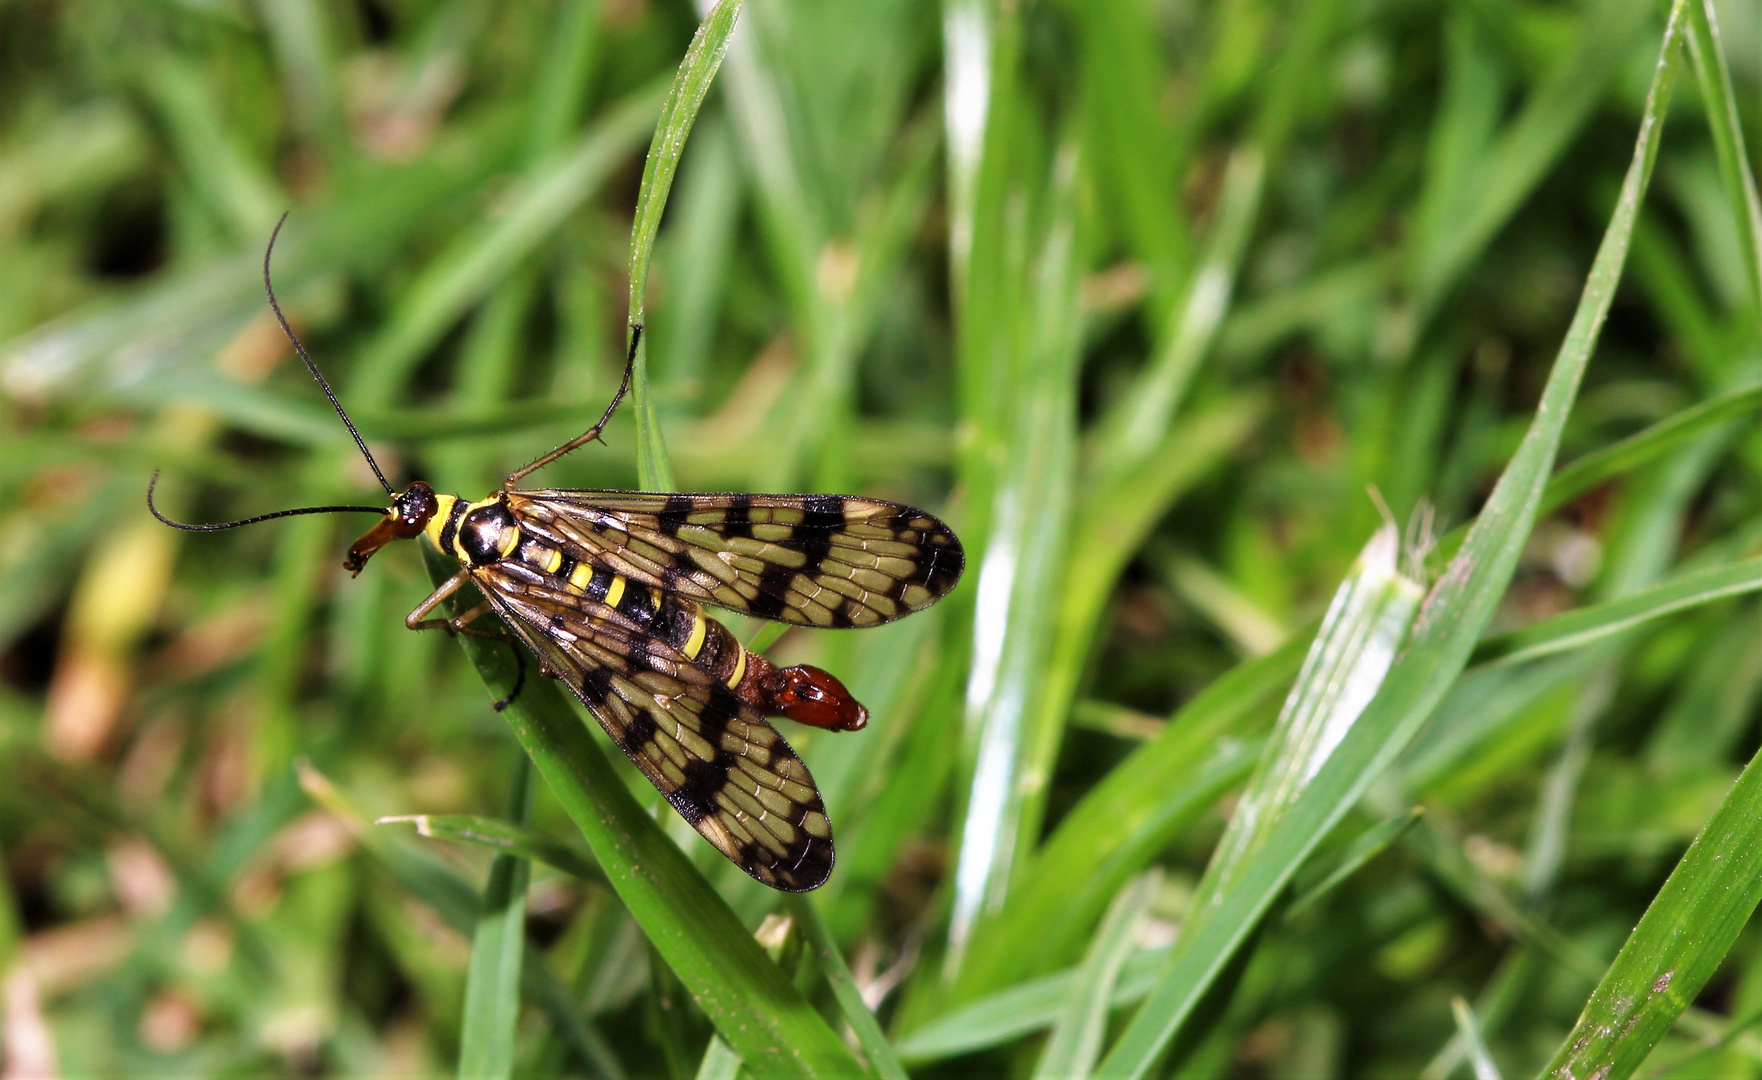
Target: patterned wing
[[813, 560], [728, 772]]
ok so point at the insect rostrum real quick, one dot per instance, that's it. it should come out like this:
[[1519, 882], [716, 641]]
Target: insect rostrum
[[607, 589]]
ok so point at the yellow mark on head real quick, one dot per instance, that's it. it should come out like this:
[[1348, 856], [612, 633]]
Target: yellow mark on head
[[614, 591], [739, 671], [700, 627], [443, 510]]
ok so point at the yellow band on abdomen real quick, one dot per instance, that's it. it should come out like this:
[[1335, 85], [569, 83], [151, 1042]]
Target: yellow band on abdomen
[[694, 644], [739, 670]]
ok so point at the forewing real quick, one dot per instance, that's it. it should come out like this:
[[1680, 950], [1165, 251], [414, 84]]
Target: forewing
[[813, 560], [728, 772]]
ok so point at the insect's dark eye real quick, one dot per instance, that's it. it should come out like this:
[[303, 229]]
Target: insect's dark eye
[[487, 534], [413, 509]]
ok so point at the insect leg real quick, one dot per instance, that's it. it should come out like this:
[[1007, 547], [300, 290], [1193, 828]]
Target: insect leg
[[519, 676], [461, 624], [591, 433], [418, 620]]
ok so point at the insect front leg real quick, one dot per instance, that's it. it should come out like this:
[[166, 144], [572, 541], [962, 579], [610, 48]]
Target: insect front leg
[[461, 624], [418, 619], [458, 624]]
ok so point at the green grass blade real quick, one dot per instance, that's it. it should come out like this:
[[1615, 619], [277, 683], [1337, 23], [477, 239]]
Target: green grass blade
[[742, 991], [561, 87], [1026, 1007], [1076, 1038], [1474, 1045], [1109, 527], [678, 113], [236, 189], [300, 34], [1679, 943], [451, 898], [1142, 418], [1707, 51], [720, 1062], [492, 984], [862, 1020], [1454, 615], [503, 837], [1352, 653], [1648, 445], [1577, 629], [1509, 169], [1320, 877]]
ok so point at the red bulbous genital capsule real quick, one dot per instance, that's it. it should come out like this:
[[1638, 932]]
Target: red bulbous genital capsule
[[812, 696]]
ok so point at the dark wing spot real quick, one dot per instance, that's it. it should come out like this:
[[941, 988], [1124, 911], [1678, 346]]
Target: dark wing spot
[[642, 728], [823, 512], [739, 520], [596, 687], [773, 587], [697, 796], [673, 514], [823, 515]]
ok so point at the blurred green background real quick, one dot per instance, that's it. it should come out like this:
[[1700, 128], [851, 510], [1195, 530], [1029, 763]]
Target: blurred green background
[[1139, 294]]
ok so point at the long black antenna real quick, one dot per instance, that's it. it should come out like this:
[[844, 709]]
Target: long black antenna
[[154, 510], [313, 368]]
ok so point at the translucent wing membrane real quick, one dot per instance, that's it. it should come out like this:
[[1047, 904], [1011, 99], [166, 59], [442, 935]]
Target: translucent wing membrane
[[728, 772], [813, 560]]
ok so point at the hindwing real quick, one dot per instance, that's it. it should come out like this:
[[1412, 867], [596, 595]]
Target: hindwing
[[723, 767]]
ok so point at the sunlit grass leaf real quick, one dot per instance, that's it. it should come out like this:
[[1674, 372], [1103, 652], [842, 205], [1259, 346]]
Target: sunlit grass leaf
[[1028, 1006]]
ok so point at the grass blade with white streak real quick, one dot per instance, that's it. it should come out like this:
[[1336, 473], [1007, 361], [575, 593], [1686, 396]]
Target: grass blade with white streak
[[1455, 613], [1120, 825]]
